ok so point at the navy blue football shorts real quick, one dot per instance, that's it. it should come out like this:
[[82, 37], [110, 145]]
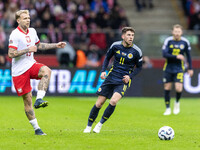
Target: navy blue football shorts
[[108, 89], [173, 77]]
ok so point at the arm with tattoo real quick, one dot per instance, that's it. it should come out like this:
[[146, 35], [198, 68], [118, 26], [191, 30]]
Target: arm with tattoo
[[12, 53], [46, 46]]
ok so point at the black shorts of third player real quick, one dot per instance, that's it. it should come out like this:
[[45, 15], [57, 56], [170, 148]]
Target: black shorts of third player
[[173, 77], [108, 89]]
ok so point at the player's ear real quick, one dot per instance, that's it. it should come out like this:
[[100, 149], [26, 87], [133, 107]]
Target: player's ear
[[18, 20], [123, 36]]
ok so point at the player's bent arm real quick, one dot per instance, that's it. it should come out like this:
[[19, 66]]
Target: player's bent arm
[[12, 53], [167, 55], [189, 60], [136, 70]]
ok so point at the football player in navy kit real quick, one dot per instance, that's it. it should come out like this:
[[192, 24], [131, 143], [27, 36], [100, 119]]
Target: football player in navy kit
[[127, 63], [173, 50]]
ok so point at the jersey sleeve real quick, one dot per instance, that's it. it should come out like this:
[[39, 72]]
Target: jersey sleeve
[[37, 40], [13, 41], [187, 51], [109, 55], [165, 50], [138, 64]]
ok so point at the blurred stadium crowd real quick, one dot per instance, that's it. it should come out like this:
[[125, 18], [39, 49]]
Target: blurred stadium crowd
[[85, 24], [192, 11], [88, 26]]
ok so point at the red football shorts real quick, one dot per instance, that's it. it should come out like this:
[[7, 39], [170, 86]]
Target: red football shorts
[[22, 82]]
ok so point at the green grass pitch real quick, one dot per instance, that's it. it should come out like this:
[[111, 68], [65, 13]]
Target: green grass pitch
[[134, 125]]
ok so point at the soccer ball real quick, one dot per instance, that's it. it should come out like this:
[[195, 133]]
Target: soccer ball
[[166, 133]]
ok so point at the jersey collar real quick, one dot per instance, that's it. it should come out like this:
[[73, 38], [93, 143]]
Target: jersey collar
[[22, 30]]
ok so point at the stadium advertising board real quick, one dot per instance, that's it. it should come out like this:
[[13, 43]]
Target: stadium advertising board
[[85, 82]]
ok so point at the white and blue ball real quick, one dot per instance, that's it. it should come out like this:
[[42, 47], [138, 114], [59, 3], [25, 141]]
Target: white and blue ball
[[166, 133]]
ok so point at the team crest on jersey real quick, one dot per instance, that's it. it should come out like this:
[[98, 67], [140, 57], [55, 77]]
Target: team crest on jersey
[[19, 90], [118, 52], [171, 46], [182, 46], [130, 55], [99, 90], [28, 39]]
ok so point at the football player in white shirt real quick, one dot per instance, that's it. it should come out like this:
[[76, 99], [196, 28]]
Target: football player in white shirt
[[23, 42]]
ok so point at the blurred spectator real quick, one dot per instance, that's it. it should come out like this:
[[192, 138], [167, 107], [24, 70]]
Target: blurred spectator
[[81, 27], [66, 56], [142, 4], [62, 20], [192, 11], [80, 59], [2, 59], [97, 4], [111, 37], [147, 62], [3, 52], [93, 56], [97, 37], [10, 13], [80, 56]]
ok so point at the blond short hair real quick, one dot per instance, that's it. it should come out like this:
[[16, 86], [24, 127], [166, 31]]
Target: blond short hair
[[177, 26], [18, 13], [125, 29]]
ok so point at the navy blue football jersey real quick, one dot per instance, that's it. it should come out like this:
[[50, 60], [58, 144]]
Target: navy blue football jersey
[[127, 61], [171, 48]]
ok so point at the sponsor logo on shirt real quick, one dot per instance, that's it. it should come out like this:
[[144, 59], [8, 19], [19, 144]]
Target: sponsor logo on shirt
[[123, 54], [176, 46], [118, 52]]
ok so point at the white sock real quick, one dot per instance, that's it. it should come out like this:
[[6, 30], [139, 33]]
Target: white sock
[[34, 123], [40, 94]]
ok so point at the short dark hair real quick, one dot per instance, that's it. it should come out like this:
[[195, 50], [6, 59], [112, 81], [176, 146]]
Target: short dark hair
[[125, 29]]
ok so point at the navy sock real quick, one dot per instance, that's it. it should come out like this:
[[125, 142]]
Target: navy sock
[[178, 96], [167, 98], [93, 115], [107, 113]]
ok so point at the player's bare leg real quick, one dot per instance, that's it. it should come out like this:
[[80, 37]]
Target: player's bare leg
[[94, 113], [167, 88], [30, 113], [44, 74], [108, 111], [28, 106], [178, 88]]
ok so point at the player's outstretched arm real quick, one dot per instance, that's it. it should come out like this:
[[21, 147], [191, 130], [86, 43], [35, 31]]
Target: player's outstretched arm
[[47, 46], [12, 53]]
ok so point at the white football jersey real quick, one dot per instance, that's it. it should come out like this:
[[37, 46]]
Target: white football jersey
[[20, 41]]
